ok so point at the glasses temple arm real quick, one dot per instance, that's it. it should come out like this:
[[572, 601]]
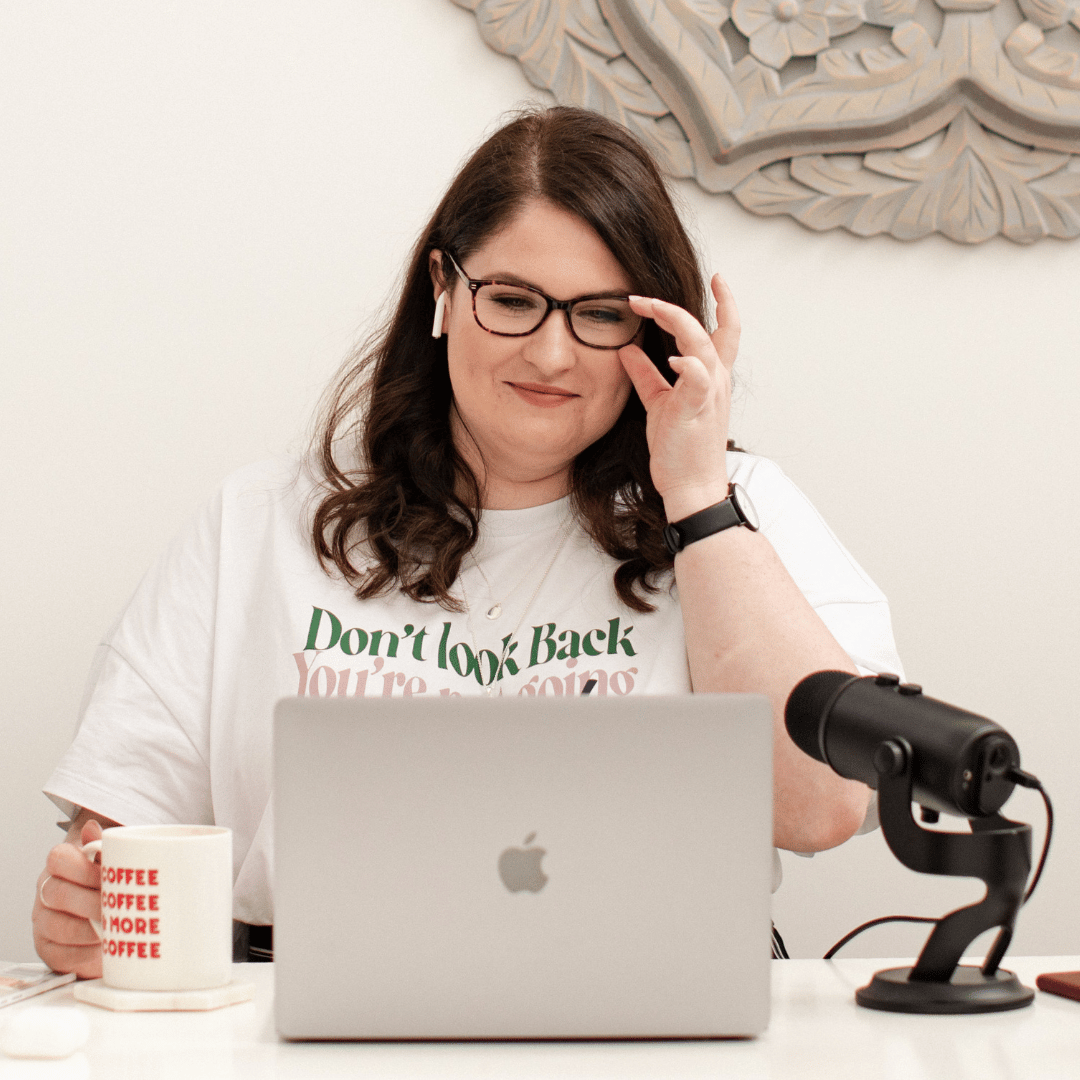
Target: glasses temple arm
[[461, 273]]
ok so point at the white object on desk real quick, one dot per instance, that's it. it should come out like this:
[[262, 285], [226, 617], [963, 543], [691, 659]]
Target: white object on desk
[[45, 1032], [95, 992]]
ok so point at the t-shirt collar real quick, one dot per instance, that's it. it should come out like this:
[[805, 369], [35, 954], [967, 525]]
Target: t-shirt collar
[[531, 520]]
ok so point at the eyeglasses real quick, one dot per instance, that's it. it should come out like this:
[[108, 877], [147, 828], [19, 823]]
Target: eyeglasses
[[603, 321]]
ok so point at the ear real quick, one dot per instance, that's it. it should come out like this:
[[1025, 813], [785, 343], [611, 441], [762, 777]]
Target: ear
[[435, 269], [442, 294]]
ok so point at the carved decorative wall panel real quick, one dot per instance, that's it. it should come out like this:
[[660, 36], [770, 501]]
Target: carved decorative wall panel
[[879, 116]]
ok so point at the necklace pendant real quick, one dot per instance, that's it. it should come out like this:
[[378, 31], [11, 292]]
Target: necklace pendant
[[494, 611]]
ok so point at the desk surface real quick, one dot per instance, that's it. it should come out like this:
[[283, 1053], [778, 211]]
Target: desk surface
[[817, 1030]]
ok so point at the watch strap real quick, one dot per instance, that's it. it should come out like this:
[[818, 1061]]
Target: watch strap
[[713, 519]]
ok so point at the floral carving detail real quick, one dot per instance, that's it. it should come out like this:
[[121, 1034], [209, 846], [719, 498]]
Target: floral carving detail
[[1050, 14], [889, 12], [967, 7], [951, 130], [780, 29], [1026, 47], [964, 182]]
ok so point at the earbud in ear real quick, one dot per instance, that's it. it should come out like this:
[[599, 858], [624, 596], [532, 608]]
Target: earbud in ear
[[440, 311]]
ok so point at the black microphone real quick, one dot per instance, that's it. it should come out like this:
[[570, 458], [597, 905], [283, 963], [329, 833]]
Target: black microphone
[[961, 762]]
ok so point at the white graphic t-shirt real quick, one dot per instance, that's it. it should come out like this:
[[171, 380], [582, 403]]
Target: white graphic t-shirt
[[237, 613]]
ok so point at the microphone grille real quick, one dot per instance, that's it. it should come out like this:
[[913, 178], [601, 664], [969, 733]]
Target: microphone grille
[[806, 705]]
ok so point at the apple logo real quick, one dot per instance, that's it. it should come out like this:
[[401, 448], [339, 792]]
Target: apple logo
[[520, 869]]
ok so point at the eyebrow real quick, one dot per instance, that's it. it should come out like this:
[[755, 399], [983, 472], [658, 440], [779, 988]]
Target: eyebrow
[[509, 279], [506, 278]]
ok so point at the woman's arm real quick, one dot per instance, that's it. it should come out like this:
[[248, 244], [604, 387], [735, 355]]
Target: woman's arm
[[748, 626]]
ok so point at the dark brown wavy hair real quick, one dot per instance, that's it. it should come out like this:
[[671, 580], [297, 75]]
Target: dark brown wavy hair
[[407, 512]]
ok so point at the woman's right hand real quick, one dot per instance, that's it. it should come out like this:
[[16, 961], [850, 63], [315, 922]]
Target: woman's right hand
[[68, 896]]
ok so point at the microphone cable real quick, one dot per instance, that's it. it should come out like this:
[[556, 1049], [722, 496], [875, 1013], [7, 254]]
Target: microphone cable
[[1025, 779], [1017, 776]]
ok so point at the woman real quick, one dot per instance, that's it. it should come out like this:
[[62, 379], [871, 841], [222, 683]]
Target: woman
[[485, 513]]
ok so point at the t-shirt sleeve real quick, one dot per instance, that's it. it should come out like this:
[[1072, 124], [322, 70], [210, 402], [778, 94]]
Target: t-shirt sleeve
[[848, 602], [141, 751]]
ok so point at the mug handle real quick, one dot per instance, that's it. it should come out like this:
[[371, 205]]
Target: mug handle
[[90, 850]]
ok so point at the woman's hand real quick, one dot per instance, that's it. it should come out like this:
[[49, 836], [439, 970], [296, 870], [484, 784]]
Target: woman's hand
[[687, 427], [68, 895]]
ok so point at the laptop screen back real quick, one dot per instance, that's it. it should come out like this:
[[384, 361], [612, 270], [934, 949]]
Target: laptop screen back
[[522, 868]]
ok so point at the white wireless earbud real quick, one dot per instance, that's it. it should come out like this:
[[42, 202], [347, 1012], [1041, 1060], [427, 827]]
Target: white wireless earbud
[[440, 311]]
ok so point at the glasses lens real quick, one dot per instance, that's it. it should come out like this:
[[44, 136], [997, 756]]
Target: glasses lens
[[508, 309], [607, 323]]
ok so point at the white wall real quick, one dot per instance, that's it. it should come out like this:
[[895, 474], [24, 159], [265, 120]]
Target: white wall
[[203, 202]]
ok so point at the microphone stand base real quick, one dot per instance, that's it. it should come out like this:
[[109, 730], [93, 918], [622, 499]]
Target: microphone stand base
[[968, 991]]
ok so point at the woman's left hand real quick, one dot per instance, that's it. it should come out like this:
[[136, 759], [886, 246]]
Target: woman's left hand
[[687, 426]]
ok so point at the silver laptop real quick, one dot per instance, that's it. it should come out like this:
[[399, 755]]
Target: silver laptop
[[493, 868]]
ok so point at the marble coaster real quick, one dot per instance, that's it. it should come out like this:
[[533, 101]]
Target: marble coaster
[[95, 992]]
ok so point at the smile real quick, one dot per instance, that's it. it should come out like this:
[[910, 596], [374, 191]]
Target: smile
[[546, 397]]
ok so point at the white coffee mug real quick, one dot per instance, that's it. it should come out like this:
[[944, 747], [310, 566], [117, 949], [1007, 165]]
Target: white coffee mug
[[166, 906]]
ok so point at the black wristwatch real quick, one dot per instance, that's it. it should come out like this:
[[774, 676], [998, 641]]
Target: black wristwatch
[[736, 509]]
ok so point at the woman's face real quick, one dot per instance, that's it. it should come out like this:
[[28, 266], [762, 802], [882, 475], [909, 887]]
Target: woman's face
[[531, 404]]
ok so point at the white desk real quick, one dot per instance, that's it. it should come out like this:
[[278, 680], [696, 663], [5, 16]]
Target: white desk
[[816, 1031]]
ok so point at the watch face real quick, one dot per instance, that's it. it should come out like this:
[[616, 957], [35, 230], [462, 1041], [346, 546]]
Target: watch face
[[744, 506]]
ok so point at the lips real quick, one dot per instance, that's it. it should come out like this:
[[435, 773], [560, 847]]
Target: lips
[[541, 395]]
